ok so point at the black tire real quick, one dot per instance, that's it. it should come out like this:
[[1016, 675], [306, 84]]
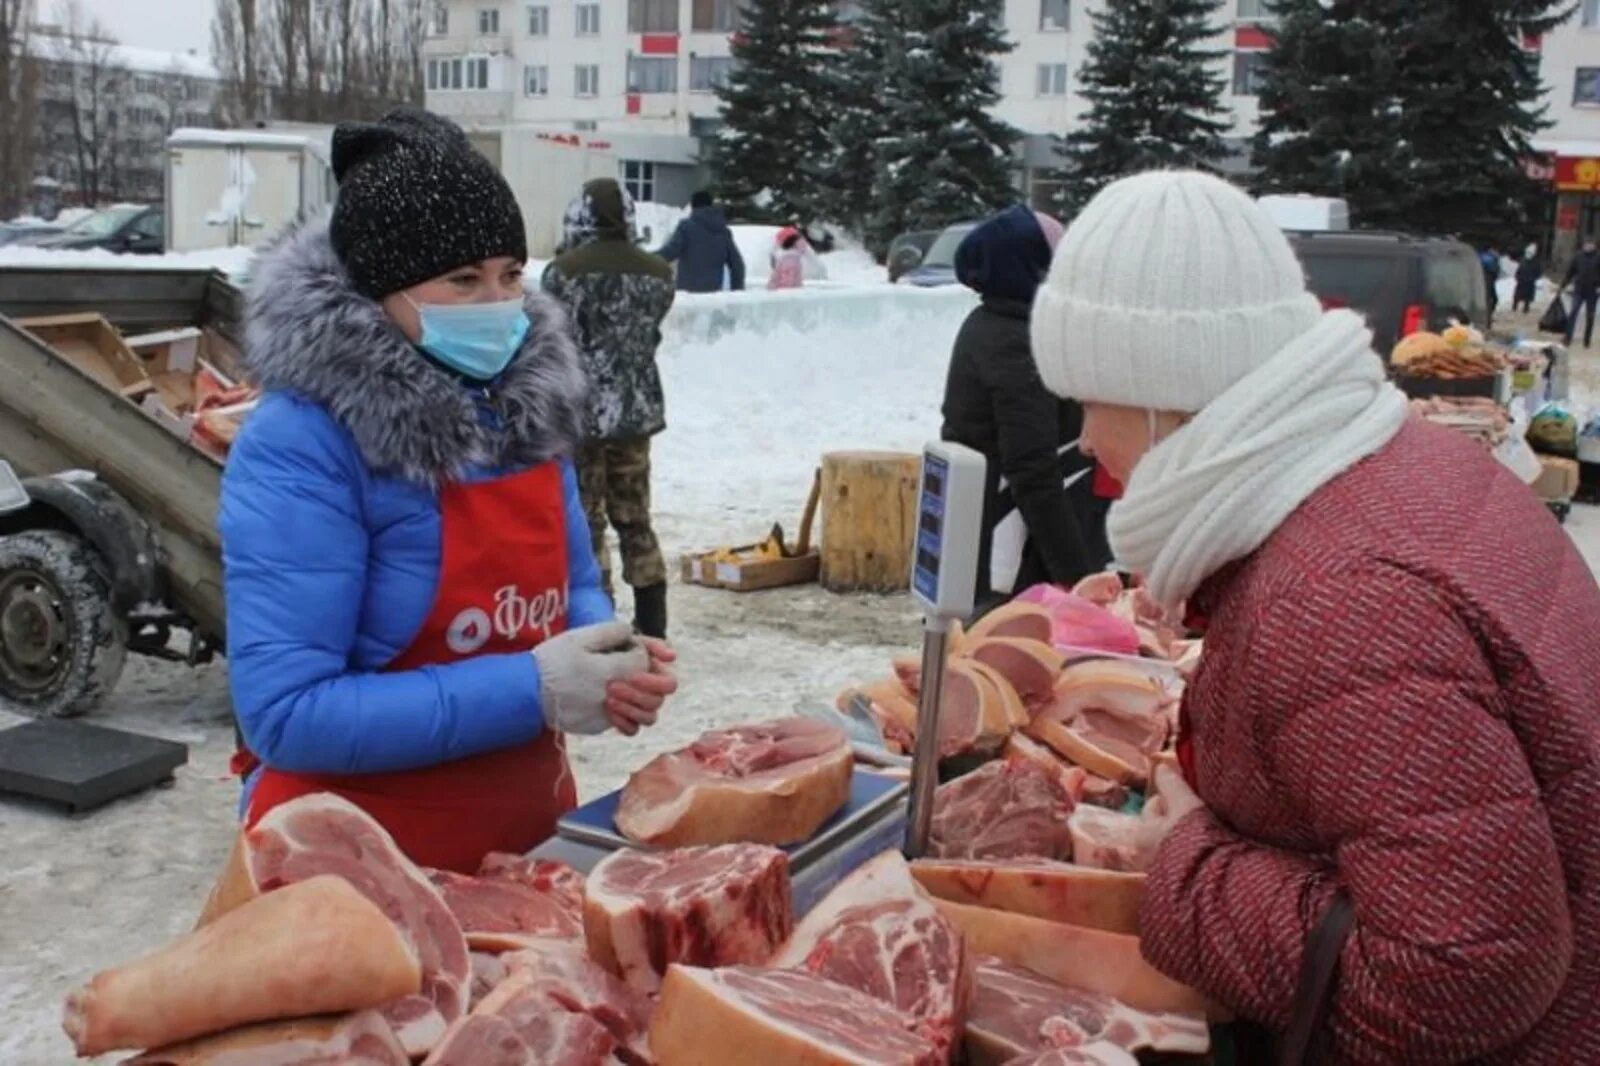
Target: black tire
[[61, 645]]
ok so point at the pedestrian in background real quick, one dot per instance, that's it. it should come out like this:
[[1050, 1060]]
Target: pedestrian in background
[[1042, 521], [1584, 277], [1529, 271], [704, 249], [617, 294], [788, 260], [1489, 259]]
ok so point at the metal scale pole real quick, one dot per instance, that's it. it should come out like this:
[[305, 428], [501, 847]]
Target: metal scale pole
[[925, 761]]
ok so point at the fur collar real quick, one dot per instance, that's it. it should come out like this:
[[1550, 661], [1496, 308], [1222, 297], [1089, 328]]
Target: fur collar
[[309, 332]]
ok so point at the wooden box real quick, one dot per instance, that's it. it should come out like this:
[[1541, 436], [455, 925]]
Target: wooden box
[[91, 344]]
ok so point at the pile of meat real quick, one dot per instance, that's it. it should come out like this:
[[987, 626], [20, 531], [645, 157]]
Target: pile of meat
[[1479, 417], [325, 945]]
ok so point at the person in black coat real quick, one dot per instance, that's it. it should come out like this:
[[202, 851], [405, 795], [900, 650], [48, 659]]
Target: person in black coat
[[703, 246], [1529, 271], [995, 403], [1584, 277]]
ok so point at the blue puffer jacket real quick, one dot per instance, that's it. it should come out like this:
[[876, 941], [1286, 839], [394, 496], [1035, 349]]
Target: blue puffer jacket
[[331, 525]]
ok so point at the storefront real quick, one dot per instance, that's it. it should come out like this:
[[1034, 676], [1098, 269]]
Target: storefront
[[1573, 169]]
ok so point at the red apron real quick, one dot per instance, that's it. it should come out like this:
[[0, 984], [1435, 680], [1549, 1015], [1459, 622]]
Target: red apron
[[502, 588]]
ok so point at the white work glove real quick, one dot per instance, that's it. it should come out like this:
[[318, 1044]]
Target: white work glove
[[576, 667]]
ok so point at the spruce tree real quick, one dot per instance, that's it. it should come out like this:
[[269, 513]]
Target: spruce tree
[[771, 154], [1420, 115], [850, 176], [1155, 96], [941, 154]]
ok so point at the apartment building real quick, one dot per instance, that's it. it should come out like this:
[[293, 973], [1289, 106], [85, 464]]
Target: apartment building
[[641, 73]]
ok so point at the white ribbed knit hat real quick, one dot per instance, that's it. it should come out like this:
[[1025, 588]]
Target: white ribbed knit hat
[[1168, 288]]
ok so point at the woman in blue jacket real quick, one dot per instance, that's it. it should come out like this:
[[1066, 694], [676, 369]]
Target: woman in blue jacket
[[415, 614]]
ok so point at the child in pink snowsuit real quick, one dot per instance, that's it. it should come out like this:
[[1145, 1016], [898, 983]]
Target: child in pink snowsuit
[[788, 261]]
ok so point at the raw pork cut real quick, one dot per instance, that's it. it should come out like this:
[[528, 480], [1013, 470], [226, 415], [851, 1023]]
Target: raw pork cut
[[1014, 619], [1058, 891], [708, 906], [569, 978], [1098, 1053], [517, 1025], [740, 1014], [1022, 748], [1108, 718], [976, 715], [326, 834], [1016, 1013], [514, 902], [1081, 624], [362, 1039], [1003, 809], [1012, 711], [1071, 955], [878, 933], [1030, 666], [1109, 840], [771, 783], [488, 970], [894, 709], [326, 948]]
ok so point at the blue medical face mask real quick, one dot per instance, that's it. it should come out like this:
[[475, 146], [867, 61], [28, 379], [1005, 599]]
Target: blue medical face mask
[[477, 341]]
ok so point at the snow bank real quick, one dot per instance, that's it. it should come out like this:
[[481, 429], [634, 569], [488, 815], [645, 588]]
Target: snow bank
[[231, 261]]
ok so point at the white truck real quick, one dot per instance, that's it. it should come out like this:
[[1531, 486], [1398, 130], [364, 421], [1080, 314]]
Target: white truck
[[545, 169], [240, 187]]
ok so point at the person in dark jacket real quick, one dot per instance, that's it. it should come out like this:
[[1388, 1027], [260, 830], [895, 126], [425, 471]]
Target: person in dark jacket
[[1041, 518], [1489, 259], [703, 247], [617, 295], [1584, 277], [1529, 271], [414, 613]]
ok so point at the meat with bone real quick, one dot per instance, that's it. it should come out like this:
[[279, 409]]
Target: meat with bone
[[1010, 711], [770, 783], [314, 948], [1043, 888], [1003, 809], [978, 711], [1016, 1013], [488, 970], [1109, 840], [1099, 1053], [1015, 619], [326, 834], [513, 902], [1107, 717], [741, 1014], [1022, 748], [517, 1025], [573, 981], [360, 1039], [878, 933], [707, 906], [1091, 959], [1030, 666]]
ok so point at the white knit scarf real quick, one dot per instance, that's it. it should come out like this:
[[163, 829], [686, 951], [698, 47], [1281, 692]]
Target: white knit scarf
[[1216, 489]]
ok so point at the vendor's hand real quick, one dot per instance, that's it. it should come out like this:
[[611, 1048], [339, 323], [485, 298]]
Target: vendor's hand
[[576, 669], [633, 702]]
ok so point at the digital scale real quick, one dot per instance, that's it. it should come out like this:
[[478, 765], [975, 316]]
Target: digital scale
[[944, 573]]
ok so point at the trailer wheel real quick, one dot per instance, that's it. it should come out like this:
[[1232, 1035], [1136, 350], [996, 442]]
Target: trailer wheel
[[61, 645]]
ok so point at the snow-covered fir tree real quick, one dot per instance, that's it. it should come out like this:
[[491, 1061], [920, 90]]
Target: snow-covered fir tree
[[1419, 114], [773, 150], [858, 122], [940, 153], [1154, 92]]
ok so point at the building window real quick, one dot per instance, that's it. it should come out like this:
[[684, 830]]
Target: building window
[[1053, 15], [1052, 79], [719, 16], [1249, 71], [441, 20], [488, 20], [538, 20], [1586, 87], [652, 75], [1254, 10], [1591, 14], [639, 179], [652, 16], [587, 80], [478, 73], [536, 81], [709, 73], [445, 74], [588, 20]]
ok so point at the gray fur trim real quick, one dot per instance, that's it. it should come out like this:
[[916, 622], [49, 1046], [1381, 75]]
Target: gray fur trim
[[309, 332]]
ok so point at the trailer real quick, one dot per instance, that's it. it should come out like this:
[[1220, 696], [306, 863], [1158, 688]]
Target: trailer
[[545, 170], [240, 187], [108, 537]]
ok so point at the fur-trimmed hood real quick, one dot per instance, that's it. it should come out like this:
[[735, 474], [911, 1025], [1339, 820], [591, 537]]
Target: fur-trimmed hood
[[309, 332]]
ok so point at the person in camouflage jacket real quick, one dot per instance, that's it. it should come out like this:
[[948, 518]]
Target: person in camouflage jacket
[[617, 294]]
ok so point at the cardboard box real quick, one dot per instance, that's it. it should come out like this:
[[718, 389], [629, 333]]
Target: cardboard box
[[751, 575], [89, 342], [1558, 480], [169, 351]]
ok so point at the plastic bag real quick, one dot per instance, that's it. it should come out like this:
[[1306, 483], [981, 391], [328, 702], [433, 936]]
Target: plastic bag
[[1077, 623], [1555, 317], [1554, 431]]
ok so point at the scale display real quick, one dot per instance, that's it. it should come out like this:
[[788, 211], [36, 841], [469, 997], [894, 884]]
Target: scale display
[[944, 561]]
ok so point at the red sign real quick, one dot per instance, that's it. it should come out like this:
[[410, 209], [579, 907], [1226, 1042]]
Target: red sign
[[1577, 175], [1251, 37], [1567, 217], [659, 44], [635, 103], [572, 140]]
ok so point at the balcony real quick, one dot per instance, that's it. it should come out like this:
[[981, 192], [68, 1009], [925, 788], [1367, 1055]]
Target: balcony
[[500, 44]]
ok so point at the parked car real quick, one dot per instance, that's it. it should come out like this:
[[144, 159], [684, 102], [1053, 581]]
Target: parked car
[[15, 232], [124, 228], [908, 249], [938, 266], [1401, 283]]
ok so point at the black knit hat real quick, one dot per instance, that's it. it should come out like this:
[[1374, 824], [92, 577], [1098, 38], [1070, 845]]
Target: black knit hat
[[416, 200]]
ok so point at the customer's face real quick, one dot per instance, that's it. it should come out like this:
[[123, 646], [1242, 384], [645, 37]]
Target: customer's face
[[1118, 437], [489, 281]]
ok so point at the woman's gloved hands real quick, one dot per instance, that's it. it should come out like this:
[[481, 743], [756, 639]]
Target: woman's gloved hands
[[597, 677]]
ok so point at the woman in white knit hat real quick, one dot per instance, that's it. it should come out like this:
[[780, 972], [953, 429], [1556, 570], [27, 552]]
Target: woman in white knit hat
[[1397, 717]]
